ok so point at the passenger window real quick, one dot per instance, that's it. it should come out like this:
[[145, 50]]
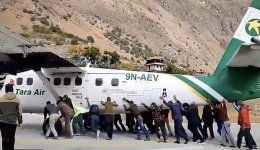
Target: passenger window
[[29, 81], [67, 81], [99, 81], [78, 81], [19, 81], [114, 82], [57, 81]]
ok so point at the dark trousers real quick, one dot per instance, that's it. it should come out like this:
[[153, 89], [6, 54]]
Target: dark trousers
[[119, 119], [109, 125], [179, 130], [160, 124], [195, 130], [219, 128], [206, 126], [130, 122], [8, 135], [246, 133]]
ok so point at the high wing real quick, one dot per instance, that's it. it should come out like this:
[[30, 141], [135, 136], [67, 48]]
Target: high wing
[[18, 54], [248, 55]]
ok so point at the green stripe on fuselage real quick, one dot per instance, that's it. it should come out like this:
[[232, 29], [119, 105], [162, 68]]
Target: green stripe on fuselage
[[197, 88]]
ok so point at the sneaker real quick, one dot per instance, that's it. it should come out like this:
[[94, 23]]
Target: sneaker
[[56, 138], [109, 139], [222, 145], [201, 142], [147, 139], [254, 147], [77, 134], [165, 141], [138, 138], [177, 142], [98, 133], [232, 146]]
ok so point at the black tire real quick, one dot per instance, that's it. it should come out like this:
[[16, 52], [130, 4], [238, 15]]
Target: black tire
[[58, 127]]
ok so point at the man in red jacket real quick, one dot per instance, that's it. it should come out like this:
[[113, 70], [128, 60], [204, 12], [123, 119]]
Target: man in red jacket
[[245, 126]]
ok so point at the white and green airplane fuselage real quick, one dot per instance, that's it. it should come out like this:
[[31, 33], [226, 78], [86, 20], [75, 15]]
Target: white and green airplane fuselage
[[237, 77]]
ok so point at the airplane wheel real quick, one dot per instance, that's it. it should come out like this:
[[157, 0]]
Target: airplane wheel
[[45, 127]]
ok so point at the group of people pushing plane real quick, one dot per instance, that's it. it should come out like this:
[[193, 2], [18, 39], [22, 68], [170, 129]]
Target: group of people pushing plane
[[178, 110]]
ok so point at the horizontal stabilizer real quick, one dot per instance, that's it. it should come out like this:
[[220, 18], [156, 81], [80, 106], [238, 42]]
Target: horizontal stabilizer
[[248, 55]]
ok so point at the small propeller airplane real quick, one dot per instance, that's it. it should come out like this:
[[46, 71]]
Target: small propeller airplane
[[43, 76]]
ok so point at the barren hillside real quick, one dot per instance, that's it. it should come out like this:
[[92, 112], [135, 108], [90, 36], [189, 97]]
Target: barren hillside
[[191, 33]]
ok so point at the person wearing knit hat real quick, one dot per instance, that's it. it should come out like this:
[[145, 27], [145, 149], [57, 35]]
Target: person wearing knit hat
[[10, 114]]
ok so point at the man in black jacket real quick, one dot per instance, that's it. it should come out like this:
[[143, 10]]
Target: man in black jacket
[[191, 111]]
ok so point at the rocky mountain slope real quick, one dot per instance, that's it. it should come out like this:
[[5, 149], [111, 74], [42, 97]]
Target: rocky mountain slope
[[193, 34]]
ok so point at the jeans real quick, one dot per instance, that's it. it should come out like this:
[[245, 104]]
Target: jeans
[[225, 133], [109, 125], [52, 120], [8, 135], [95, 123], [78, 125], [246, 133], [219, 128], [140, 125], [179, 130]]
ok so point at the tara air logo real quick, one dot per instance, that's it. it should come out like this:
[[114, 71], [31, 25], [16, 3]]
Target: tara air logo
[[253, 27]]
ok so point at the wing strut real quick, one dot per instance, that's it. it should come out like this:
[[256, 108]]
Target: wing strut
[[48, 85]]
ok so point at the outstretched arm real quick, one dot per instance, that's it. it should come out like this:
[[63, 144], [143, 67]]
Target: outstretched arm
[[124, 99], [126, 109], [115, 104], [147, 107], [237, 108]]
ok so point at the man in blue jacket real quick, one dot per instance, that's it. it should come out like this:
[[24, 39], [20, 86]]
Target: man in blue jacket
[[176, 109]]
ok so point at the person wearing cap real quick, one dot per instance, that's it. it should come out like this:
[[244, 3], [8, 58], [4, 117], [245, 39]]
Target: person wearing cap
[[10, 113], [245, 126], [109, 116]]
